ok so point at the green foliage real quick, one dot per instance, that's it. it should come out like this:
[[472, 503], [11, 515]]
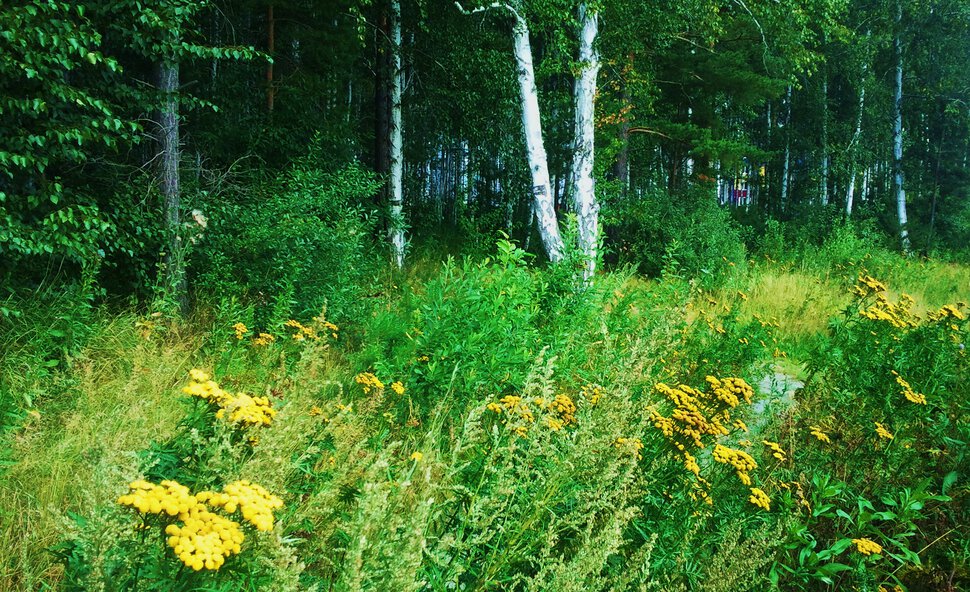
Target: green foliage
[[292, 245], [686, 235], [882, 391]]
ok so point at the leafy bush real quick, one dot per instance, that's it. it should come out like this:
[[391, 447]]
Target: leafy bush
[[687, 234], [293, 245]]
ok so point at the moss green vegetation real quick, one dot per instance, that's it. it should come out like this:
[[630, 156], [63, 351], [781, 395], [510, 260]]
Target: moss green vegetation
[[482, 425]]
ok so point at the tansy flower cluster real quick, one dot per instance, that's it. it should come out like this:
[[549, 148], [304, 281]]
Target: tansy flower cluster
[[908, 392], [867, 285], [255, 503], [247, 411], [897, 314], [867, 547], [327, 326], [699, 418], [369, 383], [301, 332], [591, 393], [398, 388], [635, 445], [199, 537], [951, 311], [238, 408], [263, 339], [205, 539], [731, 390], [819, 434], [882, 432], [760, 499], [240, 330], [560, 412], [776, 450], [739, 459]]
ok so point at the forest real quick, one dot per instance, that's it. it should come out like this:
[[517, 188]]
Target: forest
[[523, 295]]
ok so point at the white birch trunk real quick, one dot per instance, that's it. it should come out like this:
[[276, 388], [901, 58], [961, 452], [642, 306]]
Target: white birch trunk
[[898, 132], [787, 162], [396, 202], [545, 209], [584, 194], [825, 141], [856, 137]]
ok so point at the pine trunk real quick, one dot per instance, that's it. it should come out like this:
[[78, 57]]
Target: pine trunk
[[168, 123]]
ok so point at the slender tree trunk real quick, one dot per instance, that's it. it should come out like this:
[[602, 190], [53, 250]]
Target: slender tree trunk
[[382, 106], [856, 138], [898, 132], [168, 124], [584, 191], [396, 201], [787, 161], [825, 140], [270, 49], [545, 209]]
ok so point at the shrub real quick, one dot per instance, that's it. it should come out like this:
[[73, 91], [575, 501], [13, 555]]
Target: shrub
[[293, 245], [687, 234]]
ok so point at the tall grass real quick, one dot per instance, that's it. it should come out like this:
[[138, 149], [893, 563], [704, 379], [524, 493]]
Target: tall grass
[[433, 489]]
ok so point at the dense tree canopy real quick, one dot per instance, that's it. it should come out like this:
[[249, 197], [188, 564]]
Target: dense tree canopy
[[777, 111]]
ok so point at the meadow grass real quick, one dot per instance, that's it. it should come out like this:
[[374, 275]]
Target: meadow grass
[[363, 513]]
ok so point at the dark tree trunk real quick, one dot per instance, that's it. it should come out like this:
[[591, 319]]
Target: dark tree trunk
[[168, 124]]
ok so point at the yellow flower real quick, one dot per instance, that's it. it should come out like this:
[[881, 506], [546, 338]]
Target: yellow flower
[[202, 539], [867, 547], [369, 382], [263, 339], [776, 450], [883, 432], [246, 410], [819, 434], [416, 456], [240, 330], [397, 387], [633, 444], [255, 503], [591, 393], [740, 425], [738, 459], [760, 499], [908, 392]]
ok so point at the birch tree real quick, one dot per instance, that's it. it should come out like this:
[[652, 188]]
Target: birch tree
[[396, 142], [584, 195], [542, 197], [898, 186]]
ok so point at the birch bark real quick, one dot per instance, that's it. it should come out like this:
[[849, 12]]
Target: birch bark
[[898, 132], [396, 202], [545, 210], [584, 191]]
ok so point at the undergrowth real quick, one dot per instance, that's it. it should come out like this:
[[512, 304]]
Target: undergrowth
[[483, 425]]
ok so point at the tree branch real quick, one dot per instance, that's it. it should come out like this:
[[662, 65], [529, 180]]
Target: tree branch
[[508, 7]]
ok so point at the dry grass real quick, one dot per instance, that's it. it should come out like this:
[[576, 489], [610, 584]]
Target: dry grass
[[75, 453]]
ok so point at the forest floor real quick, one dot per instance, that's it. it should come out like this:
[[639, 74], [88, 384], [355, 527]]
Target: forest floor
[[83, 429]]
